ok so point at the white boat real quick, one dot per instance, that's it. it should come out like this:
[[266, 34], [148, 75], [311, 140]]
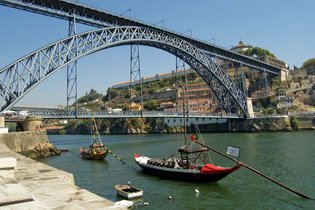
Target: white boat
[[128, 191]]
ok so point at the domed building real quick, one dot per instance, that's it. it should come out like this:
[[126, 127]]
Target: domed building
[[241, 47]]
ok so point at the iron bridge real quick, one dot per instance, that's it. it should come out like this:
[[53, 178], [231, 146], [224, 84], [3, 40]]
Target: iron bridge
[[21, 76]]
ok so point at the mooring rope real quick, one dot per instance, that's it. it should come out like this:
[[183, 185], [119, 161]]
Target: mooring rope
[[266, 193]]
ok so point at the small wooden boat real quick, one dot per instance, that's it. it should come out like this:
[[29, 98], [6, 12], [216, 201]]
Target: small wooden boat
[[97, 150], [128, 191]]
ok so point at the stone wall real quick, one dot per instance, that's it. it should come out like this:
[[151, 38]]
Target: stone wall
[[260, 124], [305, 123], [23, 141], [32, 123]]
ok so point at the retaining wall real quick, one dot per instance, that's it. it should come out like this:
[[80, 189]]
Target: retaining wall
[[23, 141], [28, 184]]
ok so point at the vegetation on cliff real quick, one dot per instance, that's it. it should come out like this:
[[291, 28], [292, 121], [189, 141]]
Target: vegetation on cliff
[[310, 63], [117, 126], [120, 98], [258, 52]]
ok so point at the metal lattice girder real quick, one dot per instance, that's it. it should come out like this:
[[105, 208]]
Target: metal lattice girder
[[135, 72], [21, 76], [98, 18], [72, 87]]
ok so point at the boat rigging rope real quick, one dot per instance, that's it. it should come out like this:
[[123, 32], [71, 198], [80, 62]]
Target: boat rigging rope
[[202, 141], [265, 192]]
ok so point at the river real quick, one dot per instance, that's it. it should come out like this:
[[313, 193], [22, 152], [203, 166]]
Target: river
[[287, 157]]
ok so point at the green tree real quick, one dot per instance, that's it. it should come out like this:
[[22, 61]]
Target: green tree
[[258, 52], [151, 105], [92, 95], [309, 63], [294, 123], [267, 111]]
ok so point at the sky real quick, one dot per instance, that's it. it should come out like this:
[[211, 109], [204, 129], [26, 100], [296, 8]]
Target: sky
[[284, 27]]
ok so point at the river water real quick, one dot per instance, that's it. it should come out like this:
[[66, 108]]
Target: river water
[[287, 157]]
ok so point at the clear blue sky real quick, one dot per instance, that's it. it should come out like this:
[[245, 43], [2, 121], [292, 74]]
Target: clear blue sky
[[284, 27]]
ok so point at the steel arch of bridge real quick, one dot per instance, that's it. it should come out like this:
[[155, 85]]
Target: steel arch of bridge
[[20, 77]]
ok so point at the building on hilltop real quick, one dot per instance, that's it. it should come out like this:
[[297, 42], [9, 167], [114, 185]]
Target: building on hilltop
[[241, 47], [162, 96], [167, 105], [273, 61], [200, 99], [283, 100], [155, 78]]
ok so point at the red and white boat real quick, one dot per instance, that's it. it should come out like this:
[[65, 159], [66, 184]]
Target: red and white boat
[[193, 162], [191, 166]]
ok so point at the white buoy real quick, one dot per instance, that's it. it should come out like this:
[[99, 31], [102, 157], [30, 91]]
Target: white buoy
[[128, 183], [169, 197], [146, 203], [197, 191]]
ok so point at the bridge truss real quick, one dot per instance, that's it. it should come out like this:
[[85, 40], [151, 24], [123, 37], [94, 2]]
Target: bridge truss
[[65, 9], [21, 76]]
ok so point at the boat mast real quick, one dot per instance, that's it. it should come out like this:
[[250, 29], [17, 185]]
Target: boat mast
[[96, 130], [184, 117], [185, 103]]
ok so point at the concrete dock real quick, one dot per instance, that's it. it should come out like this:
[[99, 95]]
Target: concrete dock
[[28, 184]]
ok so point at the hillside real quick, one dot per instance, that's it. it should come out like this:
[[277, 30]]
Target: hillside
[[292, 96]]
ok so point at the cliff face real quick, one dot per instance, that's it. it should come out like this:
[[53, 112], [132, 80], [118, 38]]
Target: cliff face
[[262, 124], [32, 144]]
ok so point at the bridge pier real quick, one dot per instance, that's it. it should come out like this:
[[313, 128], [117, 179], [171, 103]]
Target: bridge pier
[[31, 123], [250, 108], [2, 128]]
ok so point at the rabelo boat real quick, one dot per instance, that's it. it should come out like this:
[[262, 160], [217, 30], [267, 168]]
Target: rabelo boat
[[97, 150]]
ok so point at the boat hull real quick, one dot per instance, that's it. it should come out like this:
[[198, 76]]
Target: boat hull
[[91, 156], [128, 192], [190, 175]]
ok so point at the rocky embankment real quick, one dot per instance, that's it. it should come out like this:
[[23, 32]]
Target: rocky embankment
[[42, 150], [29, 184]]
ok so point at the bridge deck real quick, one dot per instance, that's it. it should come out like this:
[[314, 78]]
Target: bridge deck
[[123, 114]]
